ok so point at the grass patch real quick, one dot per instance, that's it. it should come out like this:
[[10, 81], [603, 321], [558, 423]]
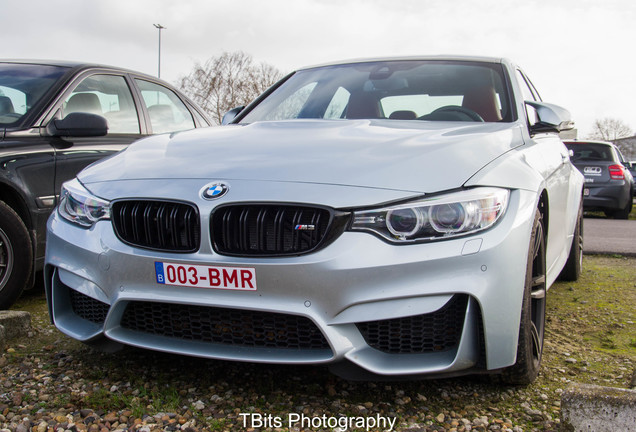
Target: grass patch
[[598, 311]]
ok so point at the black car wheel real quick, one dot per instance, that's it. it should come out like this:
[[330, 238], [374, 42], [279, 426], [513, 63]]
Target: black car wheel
[[16, 256], [532, 326], [622, 213], [572, 269]]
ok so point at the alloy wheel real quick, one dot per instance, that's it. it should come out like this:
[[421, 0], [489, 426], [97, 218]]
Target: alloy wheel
[[6, 258], [538, 294]]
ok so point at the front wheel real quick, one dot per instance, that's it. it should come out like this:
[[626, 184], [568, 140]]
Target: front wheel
[[16, 256], [532, 325]]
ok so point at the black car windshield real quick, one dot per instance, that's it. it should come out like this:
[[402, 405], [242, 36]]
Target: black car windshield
[[22, 86], [398, 90]]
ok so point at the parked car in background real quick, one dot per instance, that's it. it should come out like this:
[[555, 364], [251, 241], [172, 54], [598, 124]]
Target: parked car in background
[[609, 185], [386, 217], [632, 170], [51, 126]]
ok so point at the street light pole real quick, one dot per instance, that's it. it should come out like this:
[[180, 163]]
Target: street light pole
[[159, 27]]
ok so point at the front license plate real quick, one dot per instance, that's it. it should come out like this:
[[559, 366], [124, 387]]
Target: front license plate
[[586, 192], [232, 278]]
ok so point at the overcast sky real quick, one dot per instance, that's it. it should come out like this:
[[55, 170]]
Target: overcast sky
[[579, 53]]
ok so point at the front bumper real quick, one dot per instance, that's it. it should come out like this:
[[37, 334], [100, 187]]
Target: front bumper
[[365, 299]]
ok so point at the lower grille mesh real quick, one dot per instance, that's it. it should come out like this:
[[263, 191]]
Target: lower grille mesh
[[224, 326], [434, 332], [88, 308]]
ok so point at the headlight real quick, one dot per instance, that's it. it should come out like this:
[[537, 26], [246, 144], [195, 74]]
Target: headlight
[[439, 217], [79, 206]]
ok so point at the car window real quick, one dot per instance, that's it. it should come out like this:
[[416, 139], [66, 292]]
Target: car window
[[12, 101], [621, 158], [407, 90], [527, 89], [108, 96], [529, 94], [591, 152], [200, 119], [166, 111], [22, 86]]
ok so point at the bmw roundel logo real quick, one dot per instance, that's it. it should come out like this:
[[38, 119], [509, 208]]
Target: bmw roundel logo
[[214, 190]]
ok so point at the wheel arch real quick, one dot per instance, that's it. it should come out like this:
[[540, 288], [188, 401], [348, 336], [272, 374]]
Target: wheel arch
[[544, 210], [11, 197]]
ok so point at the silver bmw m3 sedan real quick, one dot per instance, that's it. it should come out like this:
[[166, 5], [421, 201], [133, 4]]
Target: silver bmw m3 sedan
[[386, 217]]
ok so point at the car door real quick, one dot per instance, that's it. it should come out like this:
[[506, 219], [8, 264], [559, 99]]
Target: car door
[[556, 170]]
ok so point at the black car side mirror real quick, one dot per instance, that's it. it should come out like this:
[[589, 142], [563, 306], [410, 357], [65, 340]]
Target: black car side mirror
[[78, 124], [231, 115]]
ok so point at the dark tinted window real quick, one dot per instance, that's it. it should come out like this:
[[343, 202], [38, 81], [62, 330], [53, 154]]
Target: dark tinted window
[[22, 86], [403, 90], [591, 152]]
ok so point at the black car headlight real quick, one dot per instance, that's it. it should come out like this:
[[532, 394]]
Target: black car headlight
[[79, 206], [439, 217]]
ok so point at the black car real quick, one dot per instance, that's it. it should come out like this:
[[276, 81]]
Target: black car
[[55, 119], [608, 181]]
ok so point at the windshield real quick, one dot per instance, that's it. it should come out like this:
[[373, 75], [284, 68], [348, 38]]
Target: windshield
[[397, 90], [22, 86]]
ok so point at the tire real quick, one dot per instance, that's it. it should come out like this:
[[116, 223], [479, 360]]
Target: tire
[[16, 256], [572, 269], [532, 325], [622, 213]]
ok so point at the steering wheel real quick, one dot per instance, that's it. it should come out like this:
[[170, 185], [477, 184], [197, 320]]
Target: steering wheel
[[453, 113]]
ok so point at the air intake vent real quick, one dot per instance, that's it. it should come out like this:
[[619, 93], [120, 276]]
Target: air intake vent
[[87, 307], [269, 230], [235, 327], [433, 332], [158, 225]]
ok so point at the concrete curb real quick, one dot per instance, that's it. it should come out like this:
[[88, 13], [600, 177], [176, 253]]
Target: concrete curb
[[13, 324], [587, 407]]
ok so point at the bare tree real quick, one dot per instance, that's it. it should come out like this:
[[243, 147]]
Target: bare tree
[[610, 129], [227, 81]]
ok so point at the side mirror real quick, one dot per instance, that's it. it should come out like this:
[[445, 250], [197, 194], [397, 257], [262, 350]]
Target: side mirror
[[78, 124], [552, 118], [231, 115]]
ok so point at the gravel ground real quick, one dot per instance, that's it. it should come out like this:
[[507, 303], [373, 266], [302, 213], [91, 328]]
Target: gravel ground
[[49, 382], [77, 389]]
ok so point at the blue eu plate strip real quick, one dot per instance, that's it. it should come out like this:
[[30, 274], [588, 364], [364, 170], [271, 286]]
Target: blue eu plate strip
[[159, 271]]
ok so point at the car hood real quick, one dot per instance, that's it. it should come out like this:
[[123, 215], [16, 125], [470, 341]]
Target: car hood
[[419, 157]]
